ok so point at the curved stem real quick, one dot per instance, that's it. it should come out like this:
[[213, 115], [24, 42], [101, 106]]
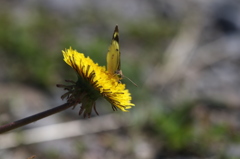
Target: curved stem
[[33, 118]]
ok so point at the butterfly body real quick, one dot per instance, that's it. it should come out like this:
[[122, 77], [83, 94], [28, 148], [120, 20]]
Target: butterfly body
[[113, 57]]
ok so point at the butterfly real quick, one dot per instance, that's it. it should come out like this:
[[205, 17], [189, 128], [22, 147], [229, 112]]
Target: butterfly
[[113, 57]]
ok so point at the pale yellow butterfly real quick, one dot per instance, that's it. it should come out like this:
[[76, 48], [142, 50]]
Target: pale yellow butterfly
[[113, 57]]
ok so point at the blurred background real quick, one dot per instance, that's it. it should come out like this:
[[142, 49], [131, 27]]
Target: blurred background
[[184, 55]]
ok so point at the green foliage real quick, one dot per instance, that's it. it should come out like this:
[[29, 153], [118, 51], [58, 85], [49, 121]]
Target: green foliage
[[174, 127], [181, 131]]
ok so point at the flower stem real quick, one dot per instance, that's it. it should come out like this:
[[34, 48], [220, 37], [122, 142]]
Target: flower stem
[[33, 118]]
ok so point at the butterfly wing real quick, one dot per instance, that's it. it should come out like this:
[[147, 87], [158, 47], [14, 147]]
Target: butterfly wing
[[113, 55]]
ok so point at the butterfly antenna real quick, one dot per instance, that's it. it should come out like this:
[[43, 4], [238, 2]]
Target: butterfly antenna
[[131, 81]]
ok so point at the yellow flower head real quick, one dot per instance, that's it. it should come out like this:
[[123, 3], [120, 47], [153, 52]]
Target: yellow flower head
[[93, 82]]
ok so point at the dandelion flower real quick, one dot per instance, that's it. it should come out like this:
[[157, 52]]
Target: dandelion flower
[[93, 82]]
